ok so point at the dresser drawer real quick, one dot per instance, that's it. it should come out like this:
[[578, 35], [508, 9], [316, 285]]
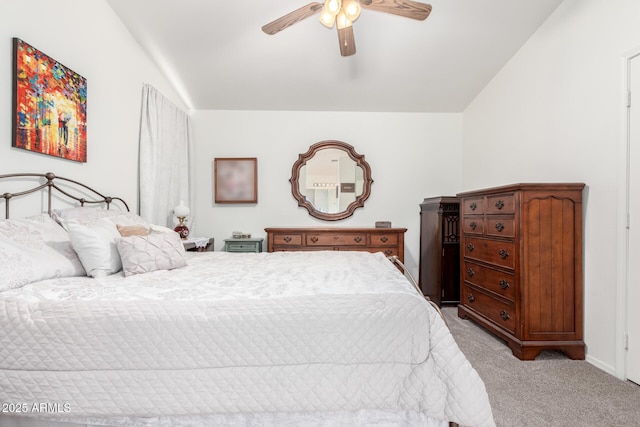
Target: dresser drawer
[[336, 239], [242, 247], [389, 241], [384, 240], [501, 227], [473, 225], [490, 251], [388, 251], [493, 280], [287, 239], [501, 204], [473, 206], [499, 312]]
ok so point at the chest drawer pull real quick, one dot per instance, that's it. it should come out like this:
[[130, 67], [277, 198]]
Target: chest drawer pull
[[470, 247], [473, 206], [357, 239], [504, 284], [388, 252], [503, 253], [499, 204], [504, 315], [384, 239], [471, 298], [314, 239], [473, 225], [287, 239], [499, 226], [470, 272]]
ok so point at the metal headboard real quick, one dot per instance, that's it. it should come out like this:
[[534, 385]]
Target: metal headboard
[[50, 184]]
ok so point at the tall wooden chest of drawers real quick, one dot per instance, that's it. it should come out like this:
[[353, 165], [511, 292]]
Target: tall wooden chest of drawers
[[389, 241], [440, 250], [521, 265]]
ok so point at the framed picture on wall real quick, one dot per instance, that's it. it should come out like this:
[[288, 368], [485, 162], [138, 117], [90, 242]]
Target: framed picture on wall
[[236, 180], [49, 105]]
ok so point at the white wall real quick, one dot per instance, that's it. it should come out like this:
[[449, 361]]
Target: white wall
[[412, 156], [554, 113], [89, 38]]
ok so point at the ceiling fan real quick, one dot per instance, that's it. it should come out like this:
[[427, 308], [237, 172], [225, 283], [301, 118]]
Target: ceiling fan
[[342, 14]]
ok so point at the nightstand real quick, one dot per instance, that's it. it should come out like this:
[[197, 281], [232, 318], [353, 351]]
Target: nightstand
[[243, 245], [198, 244]]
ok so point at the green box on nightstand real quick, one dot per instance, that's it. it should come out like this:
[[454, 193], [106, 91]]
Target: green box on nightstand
[[243, 245]]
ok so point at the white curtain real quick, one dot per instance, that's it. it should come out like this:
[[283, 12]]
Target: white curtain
[[165, 158]]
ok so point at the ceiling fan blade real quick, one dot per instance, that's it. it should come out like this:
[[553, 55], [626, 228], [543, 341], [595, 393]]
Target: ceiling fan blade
[[291, 18], [347, 41], [406, 8]]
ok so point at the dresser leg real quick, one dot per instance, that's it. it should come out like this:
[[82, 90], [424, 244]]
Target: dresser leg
[[462, 313], [531, 350]]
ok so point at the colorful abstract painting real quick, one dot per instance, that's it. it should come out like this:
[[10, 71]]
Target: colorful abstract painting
[[49, 105]]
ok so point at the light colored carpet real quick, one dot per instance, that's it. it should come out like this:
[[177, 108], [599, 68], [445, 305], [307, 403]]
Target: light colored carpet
[[552, 390]]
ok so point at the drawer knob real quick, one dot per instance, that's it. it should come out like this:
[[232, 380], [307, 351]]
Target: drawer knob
[[384, 239], [504, 284], [471, 298], [473, 225], [499, 226], [473, 206], [504, 315], [287, 239], [388, 252], [503, 253], [314, 239], [470, 247], [357, 239], [470, 272], [499, 204]]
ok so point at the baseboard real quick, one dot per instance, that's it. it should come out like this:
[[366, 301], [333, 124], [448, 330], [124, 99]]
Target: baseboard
[[601, 365]]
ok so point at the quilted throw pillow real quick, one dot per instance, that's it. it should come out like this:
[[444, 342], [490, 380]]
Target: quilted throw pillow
[[156, 251], [33, 249]]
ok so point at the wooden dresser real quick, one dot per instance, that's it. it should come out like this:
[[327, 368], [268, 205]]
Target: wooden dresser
[[390, 241], [521, 269], [440, 250]]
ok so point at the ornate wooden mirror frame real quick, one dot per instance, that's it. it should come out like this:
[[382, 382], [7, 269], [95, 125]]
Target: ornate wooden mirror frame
[[359, 162]]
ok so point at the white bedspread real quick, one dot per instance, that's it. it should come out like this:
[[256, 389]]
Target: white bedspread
[[236, 333]]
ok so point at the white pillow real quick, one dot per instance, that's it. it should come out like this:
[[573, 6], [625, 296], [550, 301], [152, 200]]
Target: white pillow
[[156, 251], [60, 215], [87, 215], [160, 229], [95, 243], [34, 249]]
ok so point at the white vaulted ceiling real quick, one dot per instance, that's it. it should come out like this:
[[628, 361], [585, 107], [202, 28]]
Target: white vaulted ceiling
[[216, 55]]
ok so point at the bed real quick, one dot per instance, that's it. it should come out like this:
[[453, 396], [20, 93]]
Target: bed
[[216, 338]]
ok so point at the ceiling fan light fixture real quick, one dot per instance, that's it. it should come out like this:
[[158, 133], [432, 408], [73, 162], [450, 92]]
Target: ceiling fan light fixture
[[333, 6], [327, 18], [351, 9], [342, 21], [342, 13]]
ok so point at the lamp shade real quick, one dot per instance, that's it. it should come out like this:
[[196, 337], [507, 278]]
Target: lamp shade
[[182, 210], [351, 9], [327, 18], [342, 21]]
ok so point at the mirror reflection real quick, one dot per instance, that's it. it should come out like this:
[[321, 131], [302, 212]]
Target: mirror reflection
[[331, 180]]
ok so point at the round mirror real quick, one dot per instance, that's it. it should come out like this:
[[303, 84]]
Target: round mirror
[[331, 180]]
